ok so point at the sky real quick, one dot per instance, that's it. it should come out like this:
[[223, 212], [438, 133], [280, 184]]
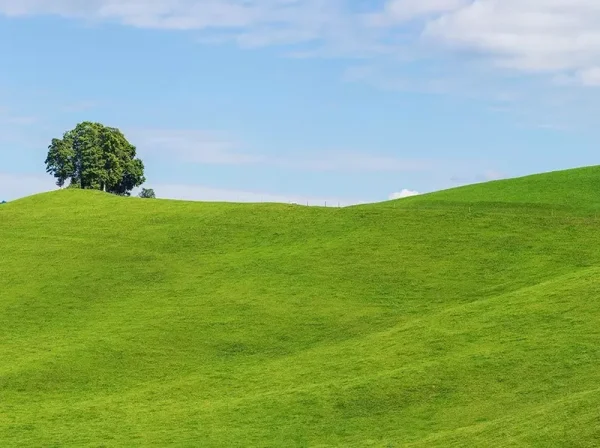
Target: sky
[[306, 101]]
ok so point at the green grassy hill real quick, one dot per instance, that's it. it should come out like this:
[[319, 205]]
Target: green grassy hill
[[465, 318]]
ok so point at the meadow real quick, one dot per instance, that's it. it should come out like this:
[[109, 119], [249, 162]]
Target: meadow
[[464, 318]]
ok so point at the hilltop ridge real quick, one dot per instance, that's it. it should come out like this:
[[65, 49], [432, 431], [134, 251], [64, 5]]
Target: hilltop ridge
[[576, 187]]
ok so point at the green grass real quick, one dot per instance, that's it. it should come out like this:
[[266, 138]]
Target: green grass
[[465, 318]]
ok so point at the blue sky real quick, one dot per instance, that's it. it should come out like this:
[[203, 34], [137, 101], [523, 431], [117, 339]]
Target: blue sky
[[304, 100]]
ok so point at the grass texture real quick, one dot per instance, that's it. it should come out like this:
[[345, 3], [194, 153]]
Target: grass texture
[[464, 318]]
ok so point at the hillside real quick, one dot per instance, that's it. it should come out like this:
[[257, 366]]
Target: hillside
[[468, 317]]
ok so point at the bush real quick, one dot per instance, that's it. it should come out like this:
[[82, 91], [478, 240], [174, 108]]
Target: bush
[[147, 193]]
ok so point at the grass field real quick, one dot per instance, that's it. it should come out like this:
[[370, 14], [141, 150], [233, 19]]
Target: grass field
[[464, 318]]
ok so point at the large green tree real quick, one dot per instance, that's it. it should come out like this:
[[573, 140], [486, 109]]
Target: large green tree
[[94, 156]]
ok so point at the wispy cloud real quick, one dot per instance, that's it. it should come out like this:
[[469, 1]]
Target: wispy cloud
[[14, 186], [558, 37], [193, 192], [397, 12], [16, 129], [493, 175], [80, 106], [249, 22], [21, 120], [11, 117], [389, 77], [193, 146], [484, 176]]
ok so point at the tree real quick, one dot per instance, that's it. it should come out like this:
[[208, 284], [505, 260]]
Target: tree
[[94, 156], [147, 193]]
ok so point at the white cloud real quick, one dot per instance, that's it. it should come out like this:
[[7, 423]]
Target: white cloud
[[590, 76], [398, 11], [204, 193], [556, 37], [249, 22], [206, 147], [190, 146], [21, 121], [540, 36], [404, 194], [354, 161], [15, 186]]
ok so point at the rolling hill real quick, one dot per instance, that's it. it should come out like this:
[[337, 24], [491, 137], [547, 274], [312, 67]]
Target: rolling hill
[[464, 318]]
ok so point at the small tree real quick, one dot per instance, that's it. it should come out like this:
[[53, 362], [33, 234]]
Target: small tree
[[94, 156], [147, 193]]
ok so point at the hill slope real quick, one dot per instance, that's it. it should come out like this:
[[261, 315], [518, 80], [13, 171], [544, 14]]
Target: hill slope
[[462, 318]]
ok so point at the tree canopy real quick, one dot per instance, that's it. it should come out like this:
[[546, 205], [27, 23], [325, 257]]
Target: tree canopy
[[94, 156]]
